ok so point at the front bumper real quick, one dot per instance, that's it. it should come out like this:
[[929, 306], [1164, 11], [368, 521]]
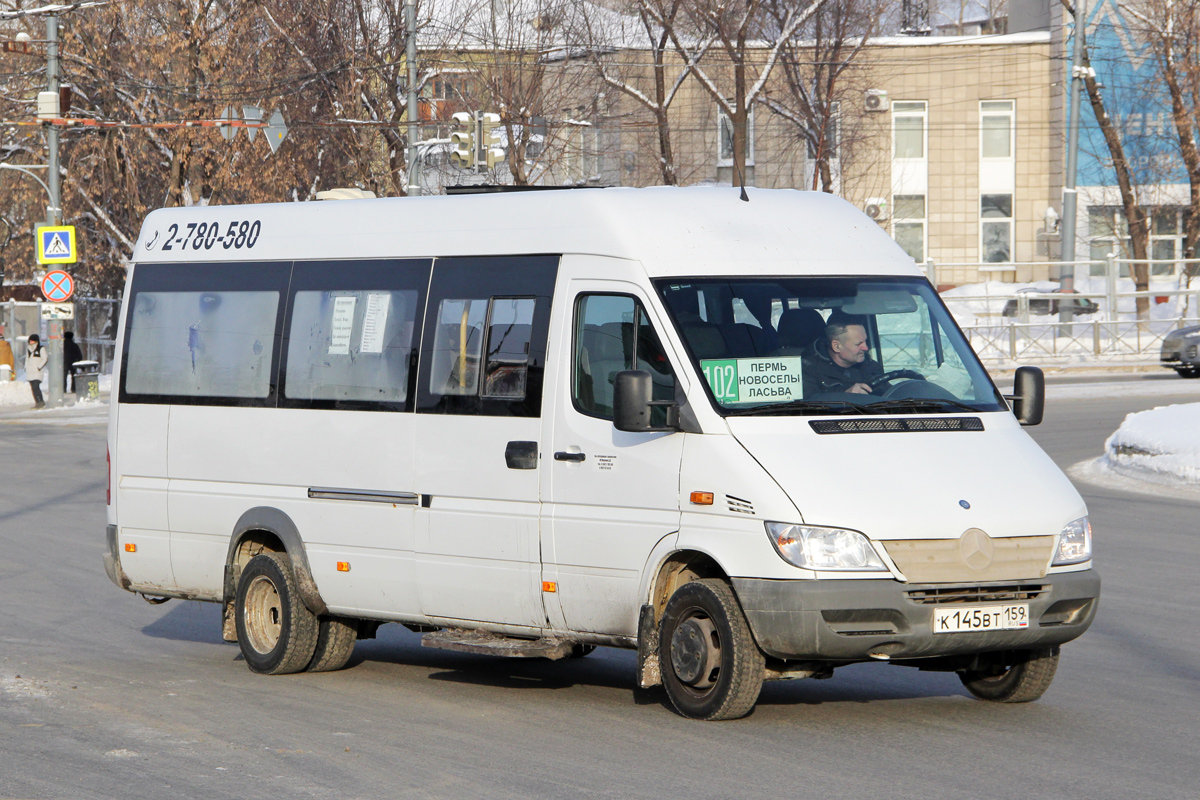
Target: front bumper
[[853, 620]]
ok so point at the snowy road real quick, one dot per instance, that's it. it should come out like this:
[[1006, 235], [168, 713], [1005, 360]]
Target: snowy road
[[103, 696]]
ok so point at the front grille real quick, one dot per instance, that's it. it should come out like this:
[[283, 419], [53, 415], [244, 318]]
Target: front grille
[[897, 425], [976, 594]]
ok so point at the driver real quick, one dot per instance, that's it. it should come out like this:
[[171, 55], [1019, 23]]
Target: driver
[[838, 361]]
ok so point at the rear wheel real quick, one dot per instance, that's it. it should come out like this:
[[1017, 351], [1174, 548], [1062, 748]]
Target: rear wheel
[[335, 643], [711, 667], [276, 632], [1191, 372], [1020, 677]]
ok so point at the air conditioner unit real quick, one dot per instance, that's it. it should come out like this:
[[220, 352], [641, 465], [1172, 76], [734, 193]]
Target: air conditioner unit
[[877, 208], [876, 100]]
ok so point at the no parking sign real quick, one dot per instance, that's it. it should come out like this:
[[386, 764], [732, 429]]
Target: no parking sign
[[58, 286]]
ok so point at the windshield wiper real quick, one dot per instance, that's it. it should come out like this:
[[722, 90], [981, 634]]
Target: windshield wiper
[[918, 404], [812, 406]]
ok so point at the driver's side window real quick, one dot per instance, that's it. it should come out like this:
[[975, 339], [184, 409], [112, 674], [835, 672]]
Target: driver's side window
[[612, 333]]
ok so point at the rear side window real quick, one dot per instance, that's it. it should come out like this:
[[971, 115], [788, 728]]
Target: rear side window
[[352, 334], [484, 348], [203, 334]]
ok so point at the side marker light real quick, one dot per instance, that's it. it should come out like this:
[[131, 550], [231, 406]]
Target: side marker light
[[702, 498], [549, 586], [130, 548], [343, 566]]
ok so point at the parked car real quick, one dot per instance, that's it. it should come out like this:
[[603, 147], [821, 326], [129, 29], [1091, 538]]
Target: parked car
[[1181, 351], [1043, 306]]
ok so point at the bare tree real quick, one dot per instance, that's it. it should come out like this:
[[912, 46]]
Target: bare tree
[[737, 29], [1173, 31], [1123, 168], [615, 43], [817, 63]]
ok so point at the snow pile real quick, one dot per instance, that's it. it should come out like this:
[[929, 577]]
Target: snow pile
[[15, 393], [1160, 445]]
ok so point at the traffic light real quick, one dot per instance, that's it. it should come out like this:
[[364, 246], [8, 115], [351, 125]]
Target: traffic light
[[462, 141], [489, 140]]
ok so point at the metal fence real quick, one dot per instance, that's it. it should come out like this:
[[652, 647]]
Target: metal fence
[[1025, 326], [95, 327]]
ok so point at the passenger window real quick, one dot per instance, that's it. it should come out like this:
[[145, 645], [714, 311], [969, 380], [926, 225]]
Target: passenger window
[[351, 340], [203, 334], [202, 344], [613, 333], [485, 337]]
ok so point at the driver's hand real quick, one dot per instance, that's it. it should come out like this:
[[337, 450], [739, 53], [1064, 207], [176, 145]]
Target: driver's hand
[[859, 388]]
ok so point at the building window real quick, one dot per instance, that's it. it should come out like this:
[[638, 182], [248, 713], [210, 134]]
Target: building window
[[908, 129], [909, 224], [725, 139], [996, 128], [995, 227]]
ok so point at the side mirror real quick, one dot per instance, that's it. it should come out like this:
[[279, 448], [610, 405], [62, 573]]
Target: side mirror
[[1029, 395], [632, 391]]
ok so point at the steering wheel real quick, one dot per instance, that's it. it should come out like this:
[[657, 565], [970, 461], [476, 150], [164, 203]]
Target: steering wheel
[[888, 377]]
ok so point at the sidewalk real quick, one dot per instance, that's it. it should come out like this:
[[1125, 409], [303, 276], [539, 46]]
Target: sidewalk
[[94, 412]]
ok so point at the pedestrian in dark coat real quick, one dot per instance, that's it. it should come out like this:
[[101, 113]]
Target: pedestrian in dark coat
[[71, 356]]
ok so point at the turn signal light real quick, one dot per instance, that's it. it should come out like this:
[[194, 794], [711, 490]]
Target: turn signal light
[[130, 548], [549, 586], [343, 566], [702, 498]]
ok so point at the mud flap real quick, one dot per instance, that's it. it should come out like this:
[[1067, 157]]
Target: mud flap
[[649, 672]]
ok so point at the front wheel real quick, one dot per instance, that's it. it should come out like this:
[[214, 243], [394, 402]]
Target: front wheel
[[711, 667], [276, 632], [1020, 677], [1191, 372]]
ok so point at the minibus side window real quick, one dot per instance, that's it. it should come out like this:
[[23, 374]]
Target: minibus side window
[[203, 334], [484, 346], [613, 333], [352, 328]]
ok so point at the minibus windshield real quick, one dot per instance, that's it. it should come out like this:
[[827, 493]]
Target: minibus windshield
[[827, 345]]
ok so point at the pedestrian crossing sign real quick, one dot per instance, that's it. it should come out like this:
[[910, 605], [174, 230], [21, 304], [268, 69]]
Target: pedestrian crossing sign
[[56, 245]]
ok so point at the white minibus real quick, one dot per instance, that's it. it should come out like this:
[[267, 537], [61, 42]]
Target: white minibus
[[744, 438]]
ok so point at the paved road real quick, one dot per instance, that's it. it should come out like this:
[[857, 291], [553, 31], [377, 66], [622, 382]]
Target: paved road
[[105, 696]]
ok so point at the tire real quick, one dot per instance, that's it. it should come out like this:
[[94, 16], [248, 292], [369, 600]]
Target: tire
[[276, 632], [335, 643], [1027, 677], [711, 667], [1192, 372]]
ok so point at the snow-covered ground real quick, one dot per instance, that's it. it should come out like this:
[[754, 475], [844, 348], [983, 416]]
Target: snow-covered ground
[[15, 393], [18, 393]]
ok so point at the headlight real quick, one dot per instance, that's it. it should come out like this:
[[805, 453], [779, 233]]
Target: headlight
[[823, 548], [1074, 543]]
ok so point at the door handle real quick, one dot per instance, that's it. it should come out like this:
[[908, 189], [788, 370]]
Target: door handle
[[562, 455]]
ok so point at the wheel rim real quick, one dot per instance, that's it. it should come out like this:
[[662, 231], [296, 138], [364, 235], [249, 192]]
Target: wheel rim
[[263, 614], [696, 653]]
